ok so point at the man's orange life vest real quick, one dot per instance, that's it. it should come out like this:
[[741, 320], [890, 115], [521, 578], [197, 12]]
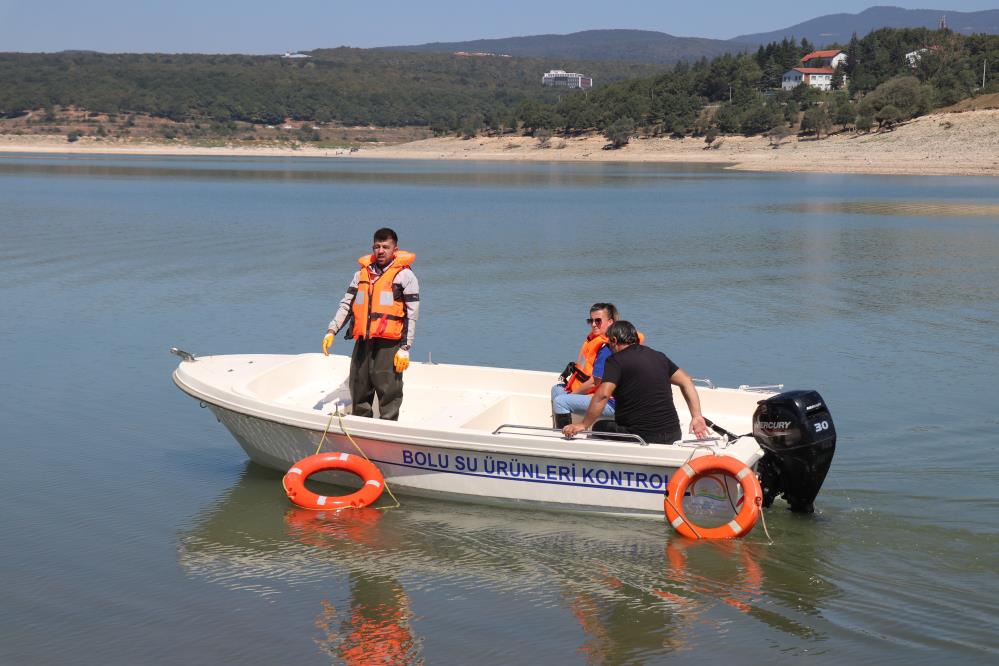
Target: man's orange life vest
[[379, 311], [587, 357]]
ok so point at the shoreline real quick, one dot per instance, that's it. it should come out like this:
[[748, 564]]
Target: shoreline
[[943, 144]]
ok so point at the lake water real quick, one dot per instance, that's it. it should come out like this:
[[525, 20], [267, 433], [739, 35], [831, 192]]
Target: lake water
[[135, 531]]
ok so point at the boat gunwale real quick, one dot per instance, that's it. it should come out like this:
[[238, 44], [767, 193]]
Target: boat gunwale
[[671, 455]]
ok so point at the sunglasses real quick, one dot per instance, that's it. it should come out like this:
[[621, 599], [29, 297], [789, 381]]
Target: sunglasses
[[594, 320]]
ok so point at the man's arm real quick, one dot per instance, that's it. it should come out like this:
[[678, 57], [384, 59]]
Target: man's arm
[[686, 384], [343, 310], [586, 386], [593, 412], [411, 297]]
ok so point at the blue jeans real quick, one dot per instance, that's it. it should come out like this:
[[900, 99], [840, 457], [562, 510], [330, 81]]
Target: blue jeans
[[574, 403]]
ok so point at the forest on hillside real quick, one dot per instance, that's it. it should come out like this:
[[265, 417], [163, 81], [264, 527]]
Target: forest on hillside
[[345, 85], [448, 93], [877, 86]]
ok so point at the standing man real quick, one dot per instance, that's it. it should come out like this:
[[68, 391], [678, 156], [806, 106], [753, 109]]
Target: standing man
[[584, 375], [383, 300], [639, 378]]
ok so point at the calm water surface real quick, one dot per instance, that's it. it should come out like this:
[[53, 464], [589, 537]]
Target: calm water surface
[[134, 530]]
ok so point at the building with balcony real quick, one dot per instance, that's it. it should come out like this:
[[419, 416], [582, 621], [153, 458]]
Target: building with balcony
[[558, 78]]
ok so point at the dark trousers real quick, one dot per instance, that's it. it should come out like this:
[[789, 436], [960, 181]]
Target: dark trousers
[[650, 437], [372, 372]]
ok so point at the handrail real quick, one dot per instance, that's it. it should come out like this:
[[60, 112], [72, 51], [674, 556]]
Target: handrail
[[623, 435], [549, 431], [761, 387], [707, 382], [696, 442], [552, 431]]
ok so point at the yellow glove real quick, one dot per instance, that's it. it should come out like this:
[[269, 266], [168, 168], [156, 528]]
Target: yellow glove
[[327, 343], [401, 360]]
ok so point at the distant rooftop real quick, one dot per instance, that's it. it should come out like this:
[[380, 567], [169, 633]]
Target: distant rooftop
[[821, 54]]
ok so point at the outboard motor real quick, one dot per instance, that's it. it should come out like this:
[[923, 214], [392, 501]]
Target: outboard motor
[[797, 433]]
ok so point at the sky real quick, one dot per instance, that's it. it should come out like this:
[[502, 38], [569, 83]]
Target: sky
[[257, 27]]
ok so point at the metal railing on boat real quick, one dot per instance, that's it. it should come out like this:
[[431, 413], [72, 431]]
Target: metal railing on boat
[[552, 432], [763, 388], [555, 432]]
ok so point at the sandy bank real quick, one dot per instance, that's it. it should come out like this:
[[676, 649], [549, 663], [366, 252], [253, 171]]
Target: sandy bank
[[940, 144], [948, 144]]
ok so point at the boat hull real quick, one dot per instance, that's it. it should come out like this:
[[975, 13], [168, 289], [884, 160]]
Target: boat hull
[[464, 474]]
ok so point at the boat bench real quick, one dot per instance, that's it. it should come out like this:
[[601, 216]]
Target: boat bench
[[448, 408]]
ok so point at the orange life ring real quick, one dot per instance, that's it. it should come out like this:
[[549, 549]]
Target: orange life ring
[[744, 521], [294, 482]]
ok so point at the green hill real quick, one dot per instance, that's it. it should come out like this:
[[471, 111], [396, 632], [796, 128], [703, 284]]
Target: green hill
[[349, 86]]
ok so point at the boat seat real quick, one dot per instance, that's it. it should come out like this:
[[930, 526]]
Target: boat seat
[[460, 408]]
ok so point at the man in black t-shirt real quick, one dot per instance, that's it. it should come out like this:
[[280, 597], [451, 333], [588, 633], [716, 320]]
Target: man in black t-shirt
[[640, 380]]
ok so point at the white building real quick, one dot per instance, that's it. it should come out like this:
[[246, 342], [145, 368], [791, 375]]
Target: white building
[[914, 57], [817, 77], [289, 54], [558, 78]]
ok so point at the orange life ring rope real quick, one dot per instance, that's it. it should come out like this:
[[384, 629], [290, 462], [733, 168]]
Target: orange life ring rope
[[689, 472], [294, 482]]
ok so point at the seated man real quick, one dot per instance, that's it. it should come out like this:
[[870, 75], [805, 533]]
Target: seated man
[[639, 378], [583, 376]]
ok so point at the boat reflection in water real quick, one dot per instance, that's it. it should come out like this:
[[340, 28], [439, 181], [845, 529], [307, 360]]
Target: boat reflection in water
[[635, 589]]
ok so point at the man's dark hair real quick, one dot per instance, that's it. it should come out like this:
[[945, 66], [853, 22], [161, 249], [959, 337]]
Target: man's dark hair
[[384, 234], [622, 332], [609, 307]]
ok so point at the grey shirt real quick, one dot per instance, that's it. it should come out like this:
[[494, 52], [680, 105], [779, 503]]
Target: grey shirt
[[411, 295]]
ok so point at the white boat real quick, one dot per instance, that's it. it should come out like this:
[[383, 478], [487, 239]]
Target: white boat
[[484, 434]]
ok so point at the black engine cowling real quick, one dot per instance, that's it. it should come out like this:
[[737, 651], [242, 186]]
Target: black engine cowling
[[797, 433]]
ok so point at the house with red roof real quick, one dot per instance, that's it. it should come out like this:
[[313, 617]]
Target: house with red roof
[[816, 70], [824, 59]]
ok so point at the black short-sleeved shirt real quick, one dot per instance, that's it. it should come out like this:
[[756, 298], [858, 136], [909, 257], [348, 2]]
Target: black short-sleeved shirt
[[643, 393]]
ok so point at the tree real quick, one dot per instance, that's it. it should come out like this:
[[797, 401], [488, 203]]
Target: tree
[[888, 116], [510, 124], [535, 116], [816, 121], [903, 94], [791, 110], [729, 119], [778, 134], [837, 78], [761, 119], [470, 128], [619, 132], [843, 112], [544, 137], [851, 54], [863, 123], [806, 95], [773, 73]]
